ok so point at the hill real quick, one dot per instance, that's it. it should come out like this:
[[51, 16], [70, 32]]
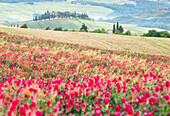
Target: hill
[[127, 7], [14, 12], [104, 41], [159, 18], [75, 24]]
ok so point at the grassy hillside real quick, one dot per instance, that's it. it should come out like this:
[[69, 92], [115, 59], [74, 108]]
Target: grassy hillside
[[22, 12], [157, 18], [77, 23], [104, 41]]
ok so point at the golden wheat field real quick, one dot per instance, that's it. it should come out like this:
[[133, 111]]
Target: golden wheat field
[[148, 45]]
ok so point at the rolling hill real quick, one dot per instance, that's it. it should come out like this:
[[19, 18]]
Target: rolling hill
[[14, 12], [159, 18], [77, 23]]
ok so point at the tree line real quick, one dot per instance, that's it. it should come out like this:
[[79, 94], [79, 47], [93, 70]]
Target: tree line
[[67, 14], [154, 33]]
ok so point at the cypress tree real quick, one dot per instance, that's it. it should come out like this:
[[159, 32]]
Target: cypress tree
[[117, 28], [114, 28], [121, 29]]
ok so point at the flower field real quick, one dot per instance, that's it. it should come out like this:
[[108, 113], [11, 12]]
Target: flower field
[[40, 77]]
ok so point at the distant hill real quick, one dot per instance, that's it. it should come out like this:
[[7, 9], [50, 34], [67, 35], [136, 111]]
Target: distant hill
[[75, 24], [123, 8], [159, 18]]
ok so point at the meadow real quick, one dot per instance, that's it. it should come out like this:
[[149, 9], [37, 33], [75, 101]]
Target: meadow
[[45, 77]]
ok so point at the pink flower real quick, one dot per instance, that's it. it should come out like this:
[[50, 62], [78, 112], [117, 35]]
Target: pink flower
[[152, 101], [77, 106], [39, 113], [72, 101], [117, 108], [48, 103], [117, 114], [167, 83], [55, 109], [138, 113], [34, 104], [166, 97], [129, 109], [22, 110], [123, 100], [106, 101]]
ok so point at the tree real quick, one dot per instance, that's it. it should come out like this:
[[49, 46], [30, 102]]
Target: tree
[[114, 28], [128, 32], [24, 26], [58, 29], [84, 27], [48, 28], [121, 29], [117, 28]]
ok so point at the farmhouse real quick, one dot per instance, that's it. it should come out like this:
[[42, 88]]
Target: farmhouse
[[109, 31]]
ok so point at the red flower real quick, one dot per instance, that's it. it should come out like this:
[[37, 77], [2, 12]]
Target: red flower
[[48, 103], [138, 113], [22, 110], [167, 83], [129, 109], [123, 100], [117, 108], [117, 114], [166, 97], [152, 101], [39, 113], [106, 101]]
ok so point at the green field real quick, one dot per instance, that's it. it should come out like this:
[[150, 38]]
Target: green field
[[77, 23], [13, 12]]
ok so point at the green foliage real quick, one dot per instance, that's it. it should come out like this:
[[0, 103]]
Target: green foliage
[[154, 33], [53, 14], [65, 30], [128, 32], [118, 29], [114, 28], [24, 26], [58, 29], [99, 31], [48, 28], [84, 28]]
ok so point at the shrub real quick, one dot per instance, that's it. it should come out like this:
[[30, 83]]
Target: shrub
[[154, 33], [58, 29], [24, 26], [65, 30], [128, 32], [99, 31], [48, 28]]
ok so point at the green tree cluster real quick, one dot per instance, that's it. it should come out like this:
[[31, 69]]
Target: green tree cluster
[[48, 28], [24, 26], [99, 31], [58, 29], [154, 33], [84, 28], [51, 15], [117, 29]]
